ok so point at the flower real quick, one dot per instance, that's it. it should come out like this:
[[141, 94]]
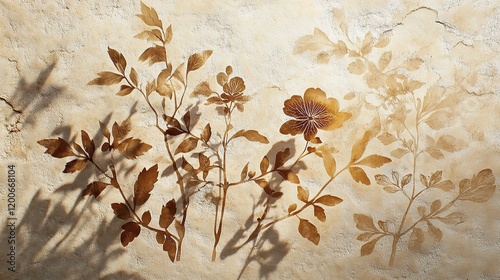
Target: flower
[[233, 90], [311, 113]]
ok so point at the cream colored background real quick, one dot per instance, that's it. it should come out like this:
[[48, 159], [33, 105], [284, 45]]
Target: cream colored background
[[51, 49]]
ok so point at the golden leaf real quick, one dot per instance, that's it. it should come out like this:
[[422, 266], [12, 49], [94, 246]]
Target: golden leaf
[[264, 165], [454, 218], [374, 161], [75, 165], [153, 35], [163, 75], [435, 205], [132, 148], [187, 145], [222, 78], [244, 172], [302, 194], [360, 146], [384, 60], [197, 60], [319, 213], [450, 143], [328, 200], [57, 148], [445, 185], [315, 42], [125, 90], [364, 222], [413, 64], [406, 180], [479, 189], [359, 175], [252, 135], [412, 85], [118, 60], [383, 180], [383, 41], [165, 90], [292, 207], [421, 211], [386, 138], [438, 119], [434, 232], [134, 77], [149, 16], [206, 133], [391, 189], [121, 210], [106, 79], [329, 163], [179, 73], [365, 236], [383, 225], [145, 184], [170, 247], [434, 152], [368, 247], [202, 89], [169, 34], [229, 70], [154, 55], [399, 152], [181, 230], [167, 213], [289, 175], [357, 67], [130, 231], [416, 239], [309, 231], [349, 96], [435, 178], [146, 218], [366, 46]]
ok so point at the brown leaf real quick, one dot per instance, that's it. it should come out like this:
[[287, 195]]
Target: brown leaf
[[171, 247], [359, 175], [424, 181], [130, 231], [383, 180], [319, 40], [187, 120], [383, 225], [416, 239], [360, 146], [120, 131], [413, 64], [57, 148], [163, 75], [197, 60], [450, 143], [329, 163], [169, 34], [244, 172], [132, 148], [368, 247], [167, 213], [149, 16], [264, 165], [480, 188], [202, 89], [328, 200], [181, 230], [434, 232], [160, 237], [302, 194], [434, 152], [206, 133], [146, 217], [121, 210], [384, 60], [439, 119], [365, 236], [319, 213], [252, 135], [391, 189], [349, 96], [179, 73], [187, 145], [289, 175], [145, 184], [374, 161], [134, 77], [357, 67], [106, 79], [292, 208], [364, 222], [153, 35], [421, 211], [435, 205], [165, 90], [95, 188], [406, 180], [309, 231], [154, 55], [454, 218], [125, 90], [118, 60], [435, 178], [281, 158], [88, 144], [445, 185], [222, 78], [399, 153], [386, 138], [75, 165]]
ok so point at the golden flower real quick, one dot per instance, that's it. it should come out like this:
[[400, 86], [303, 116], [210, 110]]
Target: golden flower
[[313, 112], [233, 90]]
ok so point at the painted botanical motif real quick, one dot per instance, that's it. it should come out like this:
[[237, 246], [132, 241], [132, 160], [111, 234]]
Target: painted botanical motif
[[198, 154]]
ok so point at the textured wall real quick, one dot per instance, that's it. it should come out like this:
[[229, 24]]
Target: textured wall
[[417, 109]]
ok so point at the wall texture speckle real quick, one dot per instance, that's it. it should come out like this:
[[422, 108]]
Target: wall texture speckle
[[383, 113]]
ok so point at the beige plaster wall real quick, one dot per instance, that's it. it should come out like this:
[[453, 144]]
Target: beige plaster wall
[[50, 50]]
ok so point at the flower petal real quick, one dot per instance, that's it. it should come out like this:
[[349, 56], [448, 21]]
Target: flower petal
[[310, 131], [235, 85], [332, 105], [315, 94], [292, 127], [339, 119], [294, 107]]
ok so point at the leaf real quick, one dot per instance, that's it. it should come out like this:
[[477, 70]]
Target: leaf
[[368, 247], [435, 178], [202, 89], [95, 188], [384, 60], [319, 213], [289, 175], [454, 218], [206, 133], [130, 231], [118, 60], [181, 230], [416, 239], [374, 161], [302, 194], [366, 46], [292, 208], [264, 165], [197, 60], [187, 120], [383, 41], [349, 96], [421, 211], [121, 210], [165, 90], [383, 180], [328, 200], [244, 172], [132, 148], [391, 189], [445, 185], [57, 148], [154, 55], [435, 205], [222, 78], [120, 131], [169, 34], [252, 135], [399, 152], [386, 138], [359, 175], [365, 236], [434, 152], [360, 146], [450, 143], [317, 41], [479, 189], [170, 247], [106, 79], [163, 75], [281, 158], [434, 232], [179, 73], [145, 184], [438, 120], [125, 90], [152, 35], [149, 16], [413, 64], [160, 237], [406, 180], [364, 222], [309, 231], [146, 217], [187, 145], [357, 67], [329, 163], [423, 180], [167, 213], [383, 225], [75, 165], [134, 77]]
